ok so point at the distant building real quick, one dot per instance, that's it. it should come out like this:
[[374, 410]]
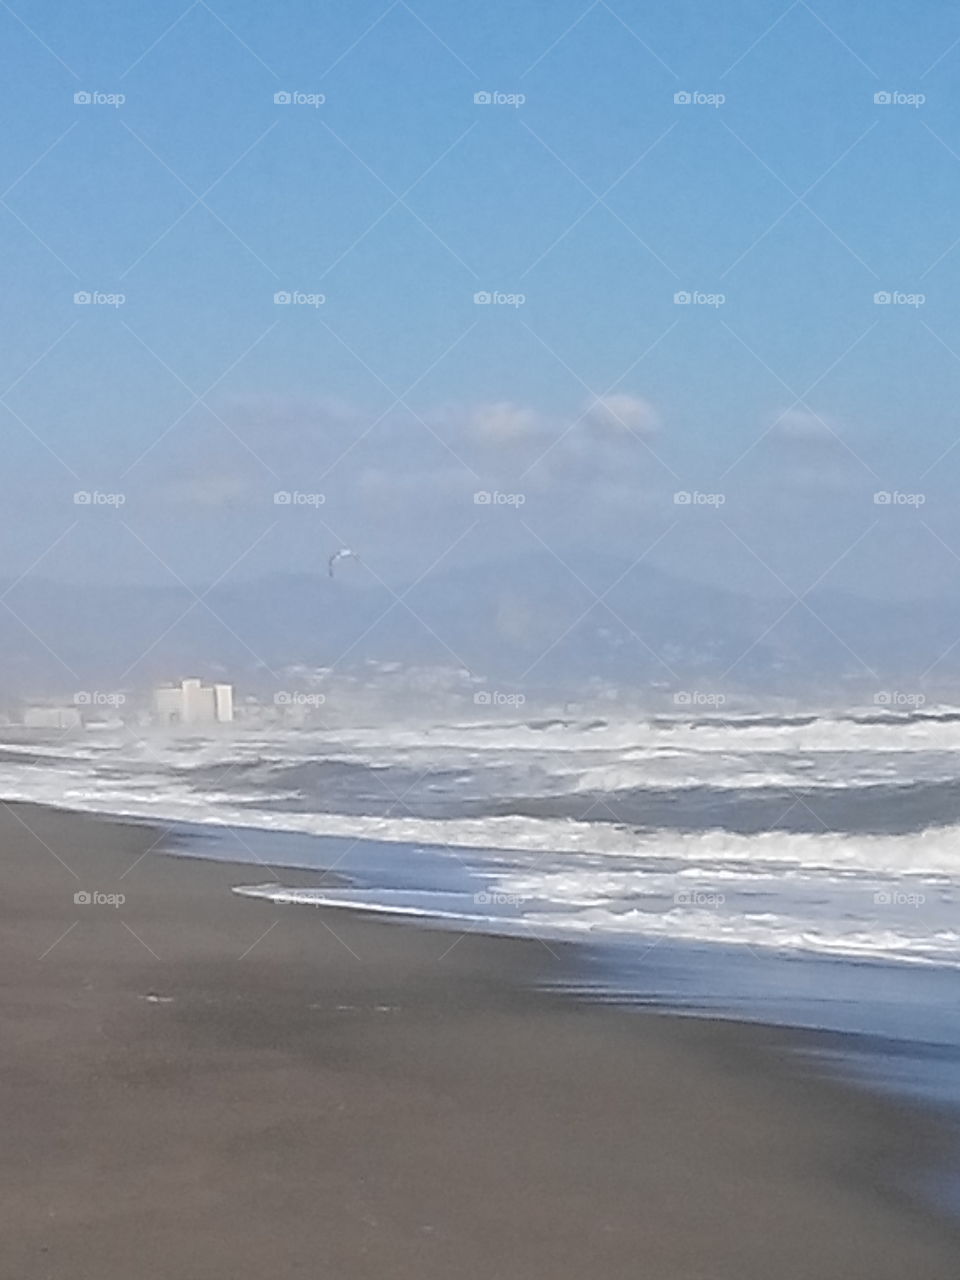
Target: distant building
[[168, 704], [223, 702], [198, 705], [52, 718], [192, 702]]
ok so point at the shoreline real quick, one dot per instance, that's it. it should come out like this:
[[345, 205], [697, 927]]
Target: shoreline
[[198, 1082], [885, 1022]]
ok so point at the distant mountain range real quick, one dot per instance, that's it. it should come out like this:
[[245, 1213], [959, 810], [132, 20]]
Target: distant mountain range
[[532, 622]]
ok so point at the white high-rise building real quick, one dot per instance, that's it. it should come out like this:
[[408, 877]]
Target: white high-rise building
[[223, 702], [192, 702], [197, 703], [168, 704]]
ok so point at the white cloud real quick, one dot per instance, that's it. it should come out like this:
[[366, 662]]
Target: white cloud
[[504, 422], [624, 413], [800, 426]]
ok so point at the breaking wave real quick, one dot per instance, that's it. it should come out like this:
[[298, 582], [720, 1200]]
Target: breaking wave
[[830, 835]]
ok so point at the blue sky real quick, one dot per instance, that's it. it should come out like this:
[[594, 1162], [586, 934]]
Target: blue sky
[[796, 199]]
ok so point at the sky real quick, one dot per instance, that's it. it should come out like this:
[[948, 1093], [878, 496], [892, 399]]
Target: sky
[[671, 283]]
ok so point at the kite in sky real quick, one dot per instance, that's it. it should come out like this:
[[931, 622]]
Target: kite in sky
[[344, 554]]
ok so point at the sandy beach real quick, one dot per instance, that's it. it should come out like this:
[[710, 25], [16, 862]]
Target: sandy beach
[[195, 1083]]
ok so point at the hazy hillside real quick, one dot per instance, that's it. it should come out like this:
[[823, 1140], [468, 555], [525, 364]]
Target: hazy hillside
[[543, 624]]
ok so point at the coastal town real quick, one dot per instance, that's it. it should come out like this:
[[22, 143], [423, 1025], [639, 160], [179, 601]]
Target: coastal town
[[189, 702]]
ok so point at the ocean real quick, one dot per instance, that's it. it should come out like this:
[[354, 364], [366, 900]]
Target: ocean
[[801, 869]]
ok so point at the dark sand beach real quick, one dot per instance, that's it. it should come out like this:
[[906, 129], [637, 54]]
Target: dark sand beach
[[198, 1084]]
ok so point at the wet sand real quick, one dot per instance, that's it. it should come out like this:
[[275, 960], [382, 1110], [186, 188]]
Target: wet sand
[[199, 1084]]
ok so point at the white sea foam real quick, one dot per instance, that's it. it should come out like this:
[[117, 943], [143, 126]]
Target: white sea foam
[[892, 895]]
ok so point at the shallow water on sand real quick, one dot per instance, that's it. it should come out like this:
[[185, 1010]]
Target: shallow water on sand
[[899, 1023]]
